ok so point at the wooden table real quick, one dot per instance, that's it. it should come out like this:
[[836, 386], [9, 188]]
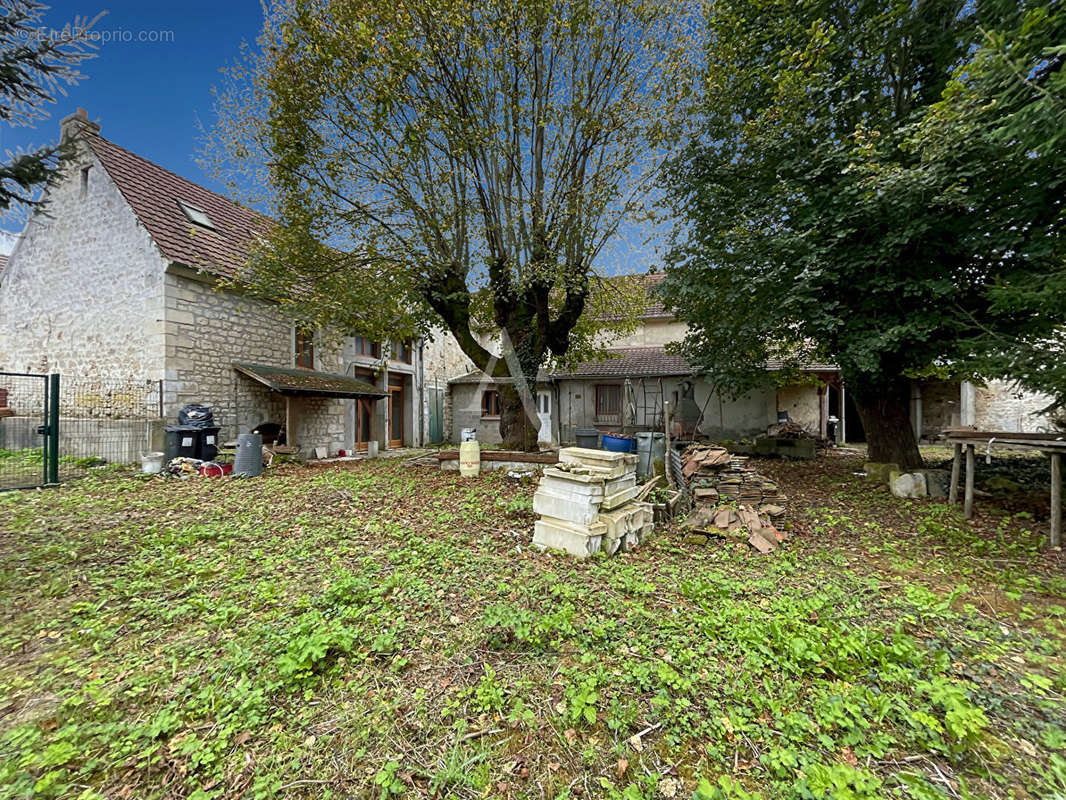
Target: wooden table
[[1054, 444]]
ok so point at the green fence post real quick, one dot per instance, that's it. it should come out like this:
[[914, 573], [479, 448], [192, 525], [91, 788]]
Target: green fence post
[[52, 459], [45, 408]]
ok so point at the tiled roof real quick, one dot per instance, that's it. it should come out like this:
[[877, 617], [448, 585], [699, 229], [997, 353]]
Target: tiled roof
[[477, 376], [296, 381], [649, 283], [630, 362], [654, 309], [153, 193]]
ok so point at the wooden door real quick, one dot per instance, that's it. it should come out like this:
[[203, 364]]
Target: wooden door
[[395, 416], [364, 422]]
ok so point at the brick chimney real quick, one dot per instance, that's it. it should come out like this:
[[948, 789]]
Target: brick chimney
[[75, 124]]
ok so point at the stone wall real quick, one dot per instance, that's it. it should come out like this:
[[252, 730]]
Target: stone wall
[[83, 291], [1000, 406], [466, 413], [803, 404], [442, 360], [207, 330], [995, 406], [940, 407], [652, 333]]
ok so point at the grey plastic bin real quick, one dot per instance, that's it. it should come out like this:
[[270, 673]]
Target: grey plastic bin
[[249, 458]]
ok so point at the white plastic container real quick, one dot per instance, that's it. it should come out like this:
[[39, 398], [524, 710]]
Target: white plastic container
[[469, 459], [151, 463], [468, 435]]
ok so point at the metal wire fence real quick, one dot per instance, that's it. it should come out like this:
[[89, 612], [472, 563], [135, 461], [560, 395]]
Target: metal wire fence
[[23, 407], [96, 423]]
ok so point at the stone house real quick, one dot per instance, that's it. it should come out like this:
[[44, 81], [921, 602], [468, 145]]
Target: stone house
[[629, 388], [120, 280], [626, 392]]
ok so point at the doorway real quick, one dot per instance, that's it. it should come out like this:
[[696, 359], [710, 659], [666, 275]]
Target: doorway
[[396, 416], [364, 422]]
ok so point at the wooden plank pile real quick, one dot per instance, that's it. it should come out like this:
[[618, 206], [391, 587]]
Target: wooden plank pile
[[588, 503], [732, 499]]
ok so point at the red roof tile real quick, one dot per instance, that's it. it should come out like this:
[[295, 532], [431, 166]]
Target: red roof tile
[[654, 308], [153, 193]]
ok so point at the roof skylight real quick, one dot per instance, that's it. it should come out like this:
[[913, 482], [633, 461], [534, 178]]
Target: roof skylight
[[197, 215]]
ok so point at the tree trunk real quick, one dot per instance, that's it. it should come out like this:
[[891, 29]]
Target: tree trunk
[[517, 430], [886, 416]]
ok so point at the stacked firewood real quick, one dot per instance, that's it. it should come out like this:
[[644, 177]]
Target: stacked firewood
[[732, 499]]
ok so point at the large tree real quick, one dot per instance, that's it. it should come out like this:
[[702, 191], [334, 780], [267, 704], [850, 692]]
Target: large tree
[[36, 66], [994, 149], [465, 158], [812, 230]]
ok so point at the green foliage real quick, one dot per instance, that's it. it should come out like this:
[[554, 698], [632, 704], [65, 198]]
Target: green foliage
[[348, 630], [822, 222], [36, 66], [470, 161], [992, 154]]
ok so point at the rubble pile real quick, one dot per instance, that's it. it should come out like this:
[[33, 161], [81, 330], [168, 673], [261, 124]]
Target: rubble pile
[[586, 504], [788, 430], [731, 498]]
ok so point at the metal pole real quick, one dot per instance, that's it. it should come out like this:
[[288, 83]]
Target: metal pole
[[967, 505], [956, 468], [843, 417], [666, 419], [53, 429], [1056, 500]]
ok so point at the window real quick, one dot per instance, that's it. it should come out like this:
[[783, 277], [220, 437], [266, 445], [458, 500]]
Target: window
[[196, 215], [366, 347], [401, 351], [490, 403], [544, 403], [85, 181], [608, 401], [304, 349]]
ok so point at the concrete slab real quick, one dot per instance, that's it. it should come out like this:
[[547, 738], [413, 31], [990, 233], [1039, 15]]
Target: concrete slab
[[580, 510], [578, 540]]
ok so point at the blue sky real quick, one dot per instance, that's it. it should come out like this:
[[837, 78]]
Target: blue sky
[[148, 95]]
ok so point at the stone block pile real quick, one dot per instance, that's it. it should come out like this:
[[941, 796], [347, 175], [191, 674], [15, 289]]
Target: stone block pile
[[586, 504], [732, 499]]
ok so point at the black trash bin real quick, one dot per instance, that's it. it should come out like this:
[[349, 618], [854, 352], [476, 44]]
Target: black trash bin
[[183, 441], [207, 443]]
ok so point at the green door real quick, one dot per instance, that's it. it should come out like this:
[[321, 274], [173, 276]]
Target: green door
[[436, 415]]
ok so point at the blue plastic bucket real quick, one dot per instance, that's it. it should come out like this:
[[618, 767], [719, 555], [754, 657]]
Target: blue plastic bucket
[[619, 444]]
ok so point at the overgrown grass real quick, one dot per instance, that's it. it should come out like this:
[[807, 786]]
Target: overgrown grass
[[385, 631]]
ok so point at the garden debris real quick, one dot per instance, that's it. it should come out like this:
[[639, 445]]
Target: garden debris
[[700, 457], [587, 504], [732, 499], [788, 430]]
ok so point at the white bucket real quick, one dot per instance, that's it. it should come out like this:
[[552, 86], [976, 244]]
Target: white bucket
[[469, 459], [151, 463]]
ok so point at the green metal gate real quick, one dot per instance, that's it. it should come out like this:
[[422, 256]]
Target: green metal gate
[[29, 430], [436, 415]]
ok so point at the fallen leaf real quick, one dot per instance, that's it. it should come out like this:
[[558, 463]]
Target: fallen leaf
[[623, 765]]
